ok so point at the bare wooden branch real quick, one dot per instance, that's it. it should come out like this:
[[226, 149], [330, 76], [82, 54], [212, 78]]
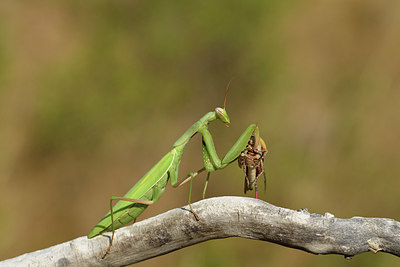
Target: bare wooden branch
[[224, 217]]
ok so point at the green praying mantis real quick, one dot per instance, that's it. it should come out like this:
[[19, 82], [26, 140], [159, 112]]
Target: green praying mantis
[[150, 187]]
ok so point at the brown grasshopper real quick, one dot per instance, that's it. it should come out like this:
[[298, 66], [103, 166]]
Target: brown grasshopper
[[251, 161]]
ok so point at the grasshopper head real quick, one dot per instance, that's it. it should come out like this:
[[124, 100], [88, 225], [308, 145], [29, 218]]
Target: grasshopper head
[[223, 116]]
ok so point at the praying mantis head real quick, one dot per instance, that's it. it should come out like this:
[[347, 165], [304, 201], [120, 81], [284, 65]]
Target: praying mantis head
[[223, 116]]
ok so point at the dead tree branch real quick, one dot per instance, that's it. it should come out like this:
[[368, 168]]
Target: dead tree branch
[[224, 217]]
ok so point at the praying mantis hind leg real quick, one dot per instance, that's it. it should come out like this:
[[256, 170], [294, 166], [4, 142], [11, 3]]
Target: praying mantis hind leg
[[139, 201]]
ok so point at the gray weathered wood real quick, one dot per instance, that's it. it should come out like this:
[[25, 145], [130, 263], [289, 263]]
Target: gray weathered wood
[[224, 217]]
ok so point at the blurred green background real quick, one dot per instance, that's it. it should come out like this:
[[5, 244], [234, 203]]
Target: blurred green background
[[94, 93]]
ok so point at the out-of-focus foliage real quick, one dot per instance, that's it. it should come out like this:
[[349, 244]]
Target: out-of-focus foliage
[[93, 93]]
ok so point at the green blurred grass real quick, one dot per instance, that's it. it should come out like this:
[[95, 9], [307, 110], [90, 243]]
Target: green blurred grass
[[94, 93]]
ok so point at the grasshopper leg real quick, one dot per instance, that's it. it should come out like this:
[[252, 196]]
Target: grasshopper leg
[[246, 180], [265, 178]]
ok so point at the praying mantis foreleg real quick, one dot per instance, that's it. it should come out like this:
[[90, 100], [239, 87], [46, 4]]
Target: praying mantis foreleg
[[211, 160]]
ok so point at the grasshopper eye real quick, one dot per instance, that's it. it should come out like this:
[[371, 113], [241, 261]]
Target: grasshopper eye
[[222, 115]]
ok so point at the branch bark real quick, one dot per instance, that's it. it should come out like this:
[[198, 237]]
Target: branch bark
[[224, 217]]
